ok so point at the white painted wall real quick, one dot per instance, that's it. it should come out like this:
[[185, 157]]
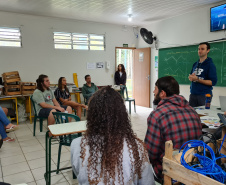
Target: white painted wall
[[38, 56], [187, 29]]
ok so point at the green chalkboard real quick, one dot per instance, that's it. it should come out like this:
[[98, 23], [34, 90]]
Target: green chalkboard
[[178, 61]]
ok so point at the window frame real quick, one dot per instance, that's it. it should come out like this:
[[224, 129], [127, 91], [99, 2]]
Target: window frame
[[73, 41], [2, 39]]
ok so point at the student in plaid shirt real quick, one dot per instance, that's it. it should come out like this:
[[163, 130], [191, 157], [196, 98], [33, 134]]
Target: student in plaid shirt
[[173, 119]]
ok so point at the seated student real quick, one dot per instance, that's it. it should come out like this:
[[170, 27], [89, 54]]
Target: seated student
[[173, 119], [5, 125], [110, 152], [63, 96], [45, 102], [88, 88]]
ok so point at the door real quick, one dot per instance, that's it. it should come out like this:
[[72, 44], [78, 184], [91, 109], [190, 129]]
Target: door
[[141, 80], [125, 56]]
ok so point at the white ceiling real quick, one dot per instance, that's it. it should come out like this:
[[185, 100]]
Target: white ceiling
[[107, 11]]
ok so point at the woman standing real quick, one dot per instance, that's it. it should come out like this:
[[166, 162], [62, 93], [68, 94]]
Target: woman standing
[[110, 152], [120, 75], [64, 98]]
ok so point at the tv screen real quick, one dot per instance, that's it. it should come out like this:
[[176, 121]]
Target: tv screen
[[218, 18]]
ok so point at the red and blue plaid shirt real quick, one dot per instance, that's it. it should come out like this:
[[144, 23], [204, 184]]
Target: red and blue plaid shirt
[[173, 120]]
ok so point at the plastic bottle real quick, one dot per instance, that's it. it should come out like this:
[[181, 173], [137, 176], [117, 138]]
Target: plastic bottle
[[208, 100], [64, 118]]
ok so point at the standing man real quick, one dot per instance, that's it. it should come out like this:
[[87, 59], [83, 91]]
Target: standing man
[[173, 119], [203, 76], [88, 88], [45, 101]]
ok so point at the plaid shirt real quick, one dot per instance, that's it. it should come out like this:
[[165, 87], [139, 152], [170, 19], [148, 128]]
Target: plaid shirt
[[173, 120]]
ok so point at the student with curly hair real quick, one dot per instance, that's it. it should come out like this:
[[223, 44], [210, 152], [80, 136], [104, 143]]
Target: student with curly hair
[[110, 152]]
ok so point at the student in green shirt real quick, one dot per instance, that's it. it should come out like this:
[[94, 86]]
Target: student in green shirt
[[45, 101], [88, 88]]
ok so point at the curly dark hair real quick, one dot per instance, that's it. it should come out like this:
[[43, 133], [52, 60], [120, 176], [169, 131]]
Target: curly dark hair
[[108, 127]]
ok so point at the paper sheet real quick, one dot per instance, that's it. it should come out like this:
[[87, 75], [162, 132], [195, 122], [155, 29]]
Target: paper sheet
[[211, 122]]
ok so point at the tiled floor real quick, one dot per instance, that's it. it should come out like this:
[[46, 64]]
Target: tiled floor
[[23, 161]]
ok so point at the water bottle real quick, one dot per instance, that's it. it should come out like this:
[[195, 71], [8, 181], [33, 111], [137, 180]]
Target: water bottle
[[64, 118], [208, 100]]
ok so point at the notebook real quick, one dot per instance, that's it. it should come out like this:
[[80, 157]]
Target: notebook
[[223, 103]]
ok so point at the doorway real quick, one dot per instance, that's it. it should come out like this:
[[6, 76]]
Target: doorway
[[125, 56]]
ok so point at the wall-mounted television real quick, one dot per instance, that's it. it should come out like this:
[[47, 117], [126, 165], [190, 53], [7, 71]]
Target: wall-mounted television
[[218, 18]]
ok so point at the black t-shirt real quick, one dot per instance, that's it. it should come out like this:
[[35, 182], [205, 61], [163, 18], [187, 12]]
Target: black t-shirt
[[61, 94]]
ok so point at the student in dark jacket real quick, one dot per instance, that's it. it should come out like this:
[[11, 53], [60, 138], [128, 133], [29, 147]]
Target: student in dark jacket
[[120, 75]]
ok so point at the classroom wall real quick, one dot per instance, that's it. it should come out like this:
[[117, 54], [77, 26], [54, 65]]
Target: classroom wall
[[38, 55], [187, 29]]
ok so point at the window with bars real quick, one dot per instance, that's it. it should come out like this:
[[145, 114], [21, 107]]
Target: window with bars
[[10, 37], [78, 41]]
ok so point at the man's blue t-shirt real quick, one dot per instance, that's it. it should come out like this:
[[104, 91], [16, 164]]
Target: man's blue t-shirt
[[205, 71]]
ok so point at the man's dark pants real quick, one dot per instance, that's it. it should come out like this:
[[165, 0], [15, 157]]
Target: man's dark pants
[[197, 100]]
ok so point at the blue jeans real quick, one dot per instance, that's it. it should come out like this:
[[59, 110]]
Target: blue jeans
[[3, 122]]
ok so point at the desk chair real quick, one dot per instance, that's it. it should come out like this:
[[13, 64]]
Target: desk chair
[[61, 118], [74, 111], [129, 100], [86, 103], [37, 117]]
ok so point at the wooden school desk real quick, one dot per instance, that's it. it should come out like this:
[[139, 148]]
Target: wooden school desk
[[60, 130]]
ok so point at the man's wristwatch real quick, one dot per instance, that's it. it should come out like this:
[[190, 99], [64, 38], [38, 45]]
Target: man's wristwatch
[[197, 79]]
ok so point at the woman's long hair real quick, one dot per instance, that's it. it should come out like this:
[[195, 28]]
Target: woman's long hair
[[40, 82], [122, 68], [108, 127], [60, 85]]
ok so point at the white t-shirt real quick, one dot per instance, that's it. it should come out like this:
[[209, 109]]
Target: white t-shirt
[[80, 168]]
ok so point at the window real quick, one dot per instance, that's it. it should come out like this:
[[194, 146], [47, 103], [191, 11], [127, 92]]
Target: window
[[79, 41], [10, 37], [96, 42], [62, 40]]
